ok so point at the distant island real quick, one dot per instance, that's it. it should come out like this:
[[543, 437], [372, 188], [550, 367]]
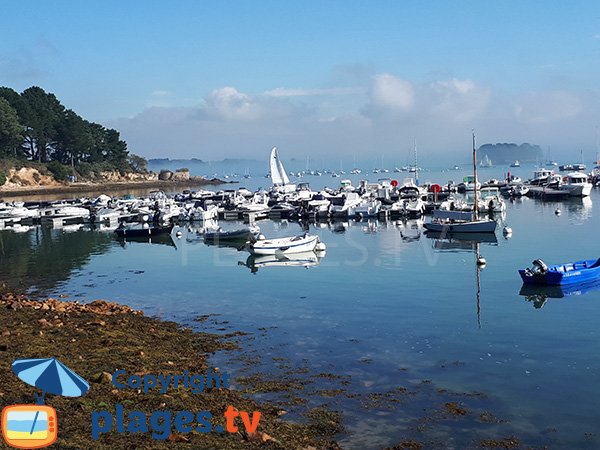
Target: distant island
[[508, 153]]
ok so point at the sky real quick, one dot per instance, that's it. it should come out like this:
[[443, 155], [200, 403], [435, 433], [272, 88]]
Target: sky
[[230, 79]]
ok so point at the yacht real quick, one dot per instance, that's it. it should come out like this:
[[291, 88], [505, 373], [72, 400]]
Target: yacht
[[541, 176], [576, 183]]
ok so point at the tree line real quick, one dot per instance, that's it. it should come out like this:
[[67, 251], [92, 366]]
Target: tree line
[[35, 126]]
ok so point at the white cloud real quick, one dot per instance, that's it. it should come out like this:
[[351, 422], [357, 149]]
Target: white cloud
[[230, 104], [458, 100], [302, 92], [547, 107], [393, 93], [160, 93]]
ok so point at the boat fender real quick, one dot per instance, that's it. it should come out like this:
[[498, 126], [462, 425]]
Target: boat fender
[[557, 212], [507, 231], [320, 247], [481, 261]]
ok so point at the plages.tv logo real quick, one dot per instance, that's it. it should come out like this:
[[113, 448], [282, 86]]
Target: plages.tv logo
[[36, 425]]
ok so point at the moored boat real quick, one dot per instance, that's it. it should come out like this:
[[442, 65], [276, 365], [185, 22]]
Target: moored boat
[[297, 244], [558, 274]]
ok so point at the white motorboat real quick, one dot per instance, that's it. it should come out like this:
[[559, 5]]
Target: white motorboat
[[516, 164], [415, 207], [352, 201], [203, 213], [17, 212], [491, 200], [541, 177], [297, 244], [469, 184], [576, 184], [519, 190], [369, 208]]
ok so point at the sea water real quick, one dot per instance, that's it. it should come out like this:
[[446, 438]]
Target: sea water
[[386, 306]]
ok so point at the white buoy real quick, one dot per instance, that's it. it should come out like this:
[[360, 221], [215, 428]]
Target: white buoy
[[507, 231], [321, 247], [557, 212], [481, 261]]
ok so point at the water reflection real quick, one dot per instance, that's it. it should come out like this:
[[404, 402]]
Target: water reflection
[[304, 259], [465, 242], [538, 295], [42, 257]]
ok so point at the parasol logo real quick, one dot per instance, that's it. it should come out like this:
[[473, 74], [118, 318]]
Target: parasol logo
[[36, 425]]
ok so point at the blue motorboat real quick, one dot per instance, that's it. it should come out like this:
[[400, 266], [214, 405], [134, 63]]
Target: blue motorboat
[[560, 274]]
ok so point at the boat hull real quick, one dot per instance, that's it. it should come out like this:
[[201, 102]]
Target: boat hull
[[284, 246], [561, 274], [485, 226]]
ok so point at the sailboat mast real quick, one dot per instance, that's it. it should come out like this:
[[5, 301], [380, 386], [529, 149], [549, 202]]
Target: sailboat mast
[[476, 205], [416, 165]]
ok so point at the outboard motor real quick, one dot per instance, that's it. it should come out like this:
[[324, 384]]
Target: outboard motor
[[539, 266]]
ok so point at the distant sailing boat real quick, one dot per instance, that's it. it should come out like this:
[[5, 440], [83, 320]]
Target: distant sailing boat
[[462, 221], [279, 177]]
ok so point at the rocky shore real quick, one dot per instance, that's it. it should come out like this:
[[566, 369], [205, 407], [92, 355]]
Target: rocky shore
[[98, 338], [96, 187]]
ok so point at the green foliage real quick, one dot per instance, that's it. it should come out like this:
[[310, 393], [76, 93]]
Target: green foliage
[[2, 178], [137, 163], [11, 131], [51, 133], [183, 169], [60, 171]]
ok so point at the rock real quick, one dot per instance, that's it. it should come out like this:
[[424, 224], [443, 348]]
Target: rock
[[15, 306], [102, 378], [258, 436], [6, 333], [165, 175], [178, 438], [183, 175], [44, 323]]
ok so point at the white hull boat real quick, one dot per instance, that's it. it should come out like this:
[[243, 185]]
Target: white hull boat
[[286, 245], [576, 184]]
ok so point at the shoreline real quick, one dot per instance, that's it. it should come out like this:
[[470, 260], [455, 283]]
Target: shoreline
[[90, 187], [96, 339]]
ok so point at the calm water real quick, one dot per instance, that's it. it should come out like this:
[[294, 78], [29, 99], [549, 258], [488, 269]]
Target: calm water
[[386, 305]]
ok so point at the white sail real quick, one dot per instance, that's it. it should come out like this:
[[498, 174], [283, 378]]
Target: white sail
[[282, 173], [276, 177]]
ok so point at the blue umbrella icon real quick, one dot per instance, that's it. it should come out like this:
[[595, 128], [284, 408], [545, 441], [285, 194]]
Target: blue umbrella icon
[[50, 375]]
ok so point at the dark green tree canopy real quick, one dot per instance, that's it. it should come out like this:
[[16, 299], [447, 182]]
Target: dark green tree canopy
[[11, 130], [34, 125]]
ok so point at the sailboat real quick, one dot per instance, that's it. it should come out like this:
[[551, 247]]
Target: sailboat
[[279, 177], [462, 221]]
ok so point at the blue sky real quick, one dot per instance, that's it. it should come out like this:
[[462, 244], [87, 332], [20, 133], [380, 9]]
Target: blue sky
[[233, 78]]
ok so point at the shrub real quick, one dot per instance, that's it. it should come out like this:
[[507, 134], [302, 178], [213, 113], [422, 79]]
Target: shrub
[[2, 178], [59, 171]]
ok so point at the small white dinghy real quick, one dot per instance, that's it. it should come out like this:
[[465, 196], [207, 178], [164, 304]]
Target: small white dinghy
[[297, 244]]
